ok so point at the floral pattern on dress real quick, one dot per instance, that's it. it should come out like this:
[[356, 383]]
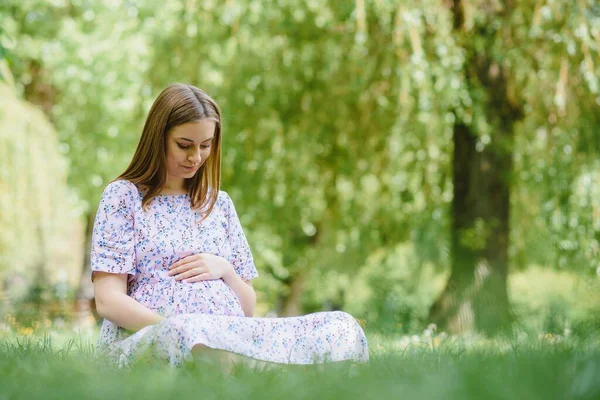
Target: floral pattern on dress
[[143, 244]]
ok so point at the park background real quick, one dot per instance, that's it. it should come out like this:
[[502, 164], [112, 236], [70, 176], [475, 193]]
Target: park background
[[430, 166]]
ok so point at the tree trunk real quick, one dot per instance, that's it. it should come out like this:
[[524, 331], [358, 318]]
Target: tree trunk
[[291, 303], [475, 296]]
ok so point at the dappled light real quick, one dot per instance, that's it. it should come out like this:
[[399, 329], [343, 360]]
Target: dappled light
[[429, 167]]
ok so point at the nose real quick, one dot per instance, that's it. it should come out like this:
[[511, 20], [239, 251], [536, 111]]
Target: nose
[[195, 158]]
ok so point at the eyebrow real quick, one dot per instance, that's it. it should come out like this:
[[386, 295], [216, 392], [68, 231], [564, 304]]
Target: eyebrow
[[190, 140]]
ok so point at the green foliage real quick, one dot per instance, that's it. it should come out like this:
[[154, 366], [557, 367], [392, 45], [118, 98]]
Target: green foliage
[[393, 291], [305, 115], [338, 124], [40, 215], [555, 301]]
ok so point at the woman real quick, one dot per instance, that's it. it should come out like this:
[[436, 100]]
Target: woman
[[171, 267]]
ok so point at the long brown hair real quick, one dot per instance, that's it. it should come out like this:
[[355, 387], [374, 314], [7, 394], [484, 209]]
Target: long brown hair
[[176, 105]]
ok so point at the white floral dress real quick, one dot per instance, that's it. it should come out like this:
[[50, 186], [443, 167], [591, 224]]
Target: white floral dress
[[143, 244]]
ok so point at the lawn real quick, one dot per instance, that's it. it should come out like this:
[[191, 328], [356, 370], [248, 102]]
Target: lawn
[[62, 365]]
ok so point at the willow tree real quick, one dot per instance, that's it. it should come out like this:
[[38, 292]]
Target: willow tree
[[522, 62], [305, 118], [341, 122], [39, 219], [321, 123], [82, 65]]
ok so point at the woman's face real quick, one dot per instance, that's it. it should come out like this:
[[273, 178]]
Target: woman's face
[[188, 147]]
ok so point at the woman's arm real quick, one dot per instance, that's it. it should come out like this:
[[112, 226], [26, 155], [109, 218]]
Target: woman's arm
[[243, 290], [241, 260], [113, 303]]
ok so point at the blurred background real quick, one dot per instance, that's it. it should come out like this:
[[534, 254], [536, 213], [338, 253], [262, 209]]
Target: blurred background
[[410, 162]]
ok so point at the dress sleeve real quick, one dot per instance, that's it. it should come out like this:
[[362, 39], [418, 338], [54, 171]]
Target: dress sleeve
[[241, 256], [113, 247]]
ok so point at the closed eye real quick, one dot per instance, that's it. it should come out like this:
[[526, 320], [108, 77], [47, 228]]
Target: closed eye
[[203, 146]]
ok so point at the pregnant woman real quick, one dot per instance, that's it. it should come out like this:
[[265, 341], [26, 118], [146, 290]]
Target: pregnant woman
[[171, 267]]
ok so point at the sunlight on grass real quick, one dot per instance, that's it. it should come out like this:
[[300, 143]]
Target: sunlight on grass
[[430, 365]]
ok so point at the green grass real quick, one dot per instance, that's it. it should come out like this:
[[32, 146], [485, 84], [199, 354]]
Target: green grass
[[419, 368]]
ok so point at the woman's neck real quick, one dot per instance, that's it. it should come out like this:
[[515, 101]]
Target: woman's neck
[[173, 186]]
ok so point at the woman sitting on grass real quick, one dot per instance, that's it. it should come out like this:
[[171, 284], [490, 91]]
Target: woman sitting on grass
[[171, 267]]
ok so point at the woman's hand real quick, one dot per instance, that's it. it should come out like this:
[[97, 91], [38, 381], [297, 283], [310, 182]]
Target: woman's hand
[[201, 267]]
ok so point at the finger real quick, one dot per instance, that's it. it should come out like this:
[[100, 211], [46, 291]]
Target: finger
[[206, 276], [184, 260], [182, 268], [176, 271], [179, 262], [190, 273]]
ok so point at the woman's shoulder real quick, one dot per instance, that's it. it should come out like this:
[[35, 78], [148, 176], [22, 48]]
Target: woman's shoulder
[[121, 185], [121, 189], [223, 203], [223, 199]]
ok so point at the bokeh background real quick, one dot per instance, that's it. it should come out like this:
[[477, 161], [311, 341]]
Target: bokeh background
[[411, 162]]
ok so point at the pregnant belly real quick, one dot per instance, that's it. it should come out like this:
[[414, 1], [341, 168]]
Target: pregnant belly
[[169, 297]]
